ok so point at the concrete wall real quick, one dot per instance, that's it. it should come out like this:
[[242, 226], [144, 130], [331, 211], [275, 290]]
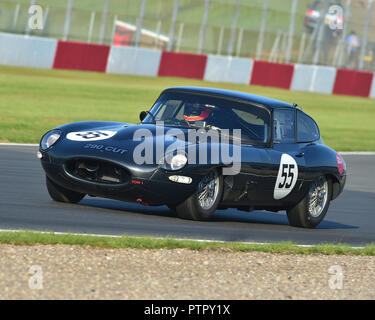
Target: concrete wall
[[130, 60], [24, 51], [228, 69], [271, 74], [372, 93], [81, 56], [353, 82], [36, 52], [183, 65], [311, 78]]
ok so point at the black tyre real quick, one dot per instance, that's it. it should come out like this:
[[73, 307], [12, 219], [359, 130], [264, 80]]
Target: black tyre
[[204, 202], [312, 209], [61, 194]]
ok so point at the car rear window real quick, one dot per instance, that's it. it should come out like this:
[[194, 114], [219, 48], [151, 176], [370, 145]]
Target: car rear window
[[283, 126], [307, 130]]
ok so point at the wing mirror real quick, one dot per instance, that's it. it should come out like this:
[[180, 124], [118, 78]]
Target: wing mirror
[[142, 115]]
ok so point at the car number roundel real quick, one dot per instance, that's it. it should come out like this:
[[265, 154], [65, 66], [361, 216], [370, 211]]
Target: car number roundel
[[93, 135], [286, 178]]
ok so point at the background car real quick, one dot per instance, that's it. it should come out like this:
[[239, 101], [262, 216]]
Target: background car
[[312, 15]]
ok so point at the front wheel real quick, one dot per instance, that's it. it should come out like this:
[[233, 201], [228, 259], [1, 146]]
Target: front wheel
[[204, 202], [60, 194], [311, 210]]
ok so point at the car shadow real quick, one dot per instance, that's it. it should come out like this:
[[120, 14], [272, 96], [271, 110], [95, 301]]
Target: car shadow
[[271, 218], [221, 216]]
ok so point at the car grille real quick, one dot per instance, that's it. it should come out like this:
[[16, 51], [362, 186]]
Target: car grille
[[97, 171]]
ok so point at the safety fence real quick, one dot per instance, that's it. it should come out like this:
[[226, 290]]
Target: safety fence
[[36, 52]]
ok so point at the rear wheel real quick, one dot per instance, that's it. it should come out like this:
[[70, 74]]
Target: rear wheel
[[312, 209], [204, 202], [61, 194]]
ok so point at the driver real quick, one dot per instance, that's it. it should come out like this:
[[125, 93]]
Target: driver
[[196, 112]]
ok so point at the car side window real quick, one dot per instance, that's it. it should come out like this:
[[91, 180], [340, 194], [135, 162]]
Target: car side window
[[255, 122], [167, 109], [307, 130], [283, 126]]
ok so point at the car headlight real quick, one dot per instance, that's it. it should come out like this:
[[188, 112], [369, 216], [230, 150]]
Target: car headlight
[[174, 162], [49, 139]]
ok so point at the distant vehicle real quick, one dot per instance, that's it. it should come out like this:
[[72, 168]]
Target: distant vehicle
[[284, 162], [313, 14]]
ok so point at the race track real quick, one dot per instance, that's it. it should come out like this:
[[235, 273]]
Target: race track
[[25, 204]]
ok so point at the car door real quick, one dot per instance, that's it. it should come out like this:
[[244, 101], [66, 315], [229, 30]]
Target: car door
[[286, 157]]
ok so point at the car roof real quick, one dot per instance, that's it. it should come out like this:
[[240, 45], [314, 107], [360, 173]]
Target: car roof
[[248, 97]]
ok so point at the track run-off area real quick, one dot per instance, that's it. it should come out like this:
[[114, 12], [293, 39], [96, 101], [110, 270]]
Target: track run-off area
[[26, 205]]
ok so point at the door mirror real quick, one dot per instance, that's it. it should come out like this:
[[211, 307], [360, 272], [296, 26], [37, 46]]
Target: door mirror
[[142, 115]]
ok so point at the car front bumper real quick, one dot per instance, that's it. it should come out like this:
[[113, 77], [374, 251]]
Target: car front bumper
[[148, 187]]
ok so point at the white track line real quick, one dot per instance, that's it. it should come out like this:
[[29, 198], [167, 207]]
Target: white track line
[[18, 144], [160, 238], [364, 153], [344, 153]]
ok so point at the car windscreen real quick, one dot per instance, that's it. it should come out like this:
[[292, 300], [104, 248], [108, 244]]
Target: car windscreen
[[191, 110]]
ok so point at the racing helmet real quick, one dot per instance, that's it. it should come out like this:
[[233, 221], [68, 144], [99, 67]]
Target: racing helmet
[[196, 112]]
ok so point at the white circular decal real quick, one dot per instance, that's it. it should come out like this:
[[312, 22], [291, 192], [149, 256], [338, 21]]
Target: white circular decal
[[93, 135], [286, 178]]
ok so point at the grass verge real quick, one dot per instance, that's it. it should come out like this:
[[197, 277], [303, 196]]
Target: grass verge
[[34, 238]]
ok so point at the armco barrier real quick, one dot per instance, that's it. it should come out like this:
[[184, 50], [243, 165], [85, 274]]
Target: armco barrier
[[372, 93], [81, 56], [184, 65], [228, 69], [130, 60], [271, 74], [313, 78], [25, 51], [352, 82]]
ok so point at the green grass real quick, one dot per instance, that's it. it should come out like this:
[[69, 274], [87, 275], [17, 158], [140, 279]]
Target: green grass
[[33, 101], [33, 238]]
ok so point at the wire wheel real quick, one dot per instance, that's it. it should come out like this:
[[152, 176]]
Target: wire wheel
[[208, 191], [318, 196]]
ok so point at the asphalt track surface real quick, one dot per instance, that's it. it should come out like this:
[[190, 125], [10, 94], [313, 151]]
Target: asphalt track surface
[[26, 205]]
